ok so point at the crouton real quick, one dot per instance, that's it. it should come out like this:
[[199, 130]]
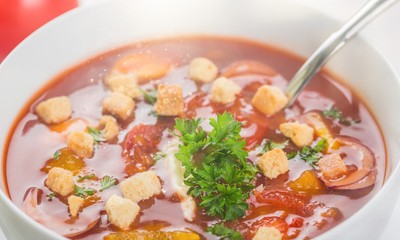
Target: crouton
[[75, 204], [301, 134], [332, 166], [269, 100], [224, 90], [119, 105], [169, 100], [267, 233], [141, 186], [273, 163], [121, 212], [60, 181], [123, 83], [109, 126], [202, 70], [80, 143], [54, 110]]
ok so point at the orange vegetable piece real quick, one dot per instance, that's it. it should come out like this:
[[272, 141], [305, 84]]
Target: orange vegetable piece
[[64, 158], [145, 66], [71, 124], [307, 183]]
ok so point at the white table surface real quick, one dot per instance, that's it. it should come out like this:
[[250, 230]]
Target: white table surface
[[383, 32]]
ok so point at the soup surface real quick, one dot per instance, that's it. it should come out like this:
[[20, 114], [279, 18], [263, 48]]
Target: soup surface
[[129, 159]]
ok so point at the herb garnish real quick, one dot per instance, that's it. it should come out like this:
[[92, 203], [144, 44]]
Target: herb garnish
[[107, 182], [152, 113], [96, 134], [268, 145], [311, 155], [50, 196], [159, 155], [57, 154], [150, 97], [89, 176], [83, 192], [216, 168], [224, 232], [334, 113]]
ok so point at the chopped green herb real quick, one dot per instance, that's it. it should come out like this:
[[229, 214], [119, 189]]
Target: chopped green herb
[[291, 155], [268, 145], [311, 155], [50, 196], [83, 192], [89, 176], [337, 114], [150, 97], [216, 168], [107, 182], [152, 113], [159, 155], [57, 154], [224, 232], [96, 134]]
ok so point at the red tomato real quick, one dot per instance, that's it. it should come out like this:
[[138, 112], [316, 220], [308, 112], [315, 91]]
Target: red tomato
[[19, 18]]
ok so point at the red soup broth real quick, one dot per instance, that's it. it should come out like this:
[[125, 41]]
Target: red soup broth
[[32, 143]]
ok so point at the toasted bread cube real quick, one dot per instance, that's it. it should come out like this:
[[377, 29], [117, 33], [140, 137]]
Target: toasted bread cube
[[121, 212], [123, 83], [80, 143], [75, 204], [54, 110], [169, 100], [332, 166], [267, 233], [273, 163], [109, 126], [301, 134], [224, 90], [141, 186], [119, 105], [269, 100], [60, 181], [202, 70]]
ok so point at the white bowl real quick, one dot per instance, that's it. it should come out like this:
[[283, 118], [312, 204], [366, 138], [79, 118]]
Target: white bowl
[[90, 30]]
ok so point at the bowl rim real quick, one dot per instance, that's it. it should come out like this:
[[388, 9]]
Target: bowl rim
[[81, 10]]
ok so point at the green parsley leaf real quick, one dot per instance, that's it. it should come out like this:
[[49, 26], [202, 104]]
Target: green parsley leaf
[[152, 113], [334, 113], [57, 154], [224, 232], [216, 168], [96, 134], [311, 155], [291, 155], [159, 155], [89, 176], [83, 192], [150, 97], [268, 145], [50, 196], [107, 182]]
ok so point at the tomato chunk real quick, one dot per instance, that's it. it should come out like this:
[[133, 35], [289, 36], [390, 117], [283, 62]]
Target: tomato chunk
[[286, 200], [139, 146]]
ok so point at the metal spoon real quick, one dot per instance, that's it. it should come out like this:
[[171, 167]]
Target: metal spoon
[[332, 44]]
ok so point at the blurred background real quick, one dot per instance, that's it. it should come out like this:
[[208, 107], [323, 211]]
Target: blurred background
[[19, 18]]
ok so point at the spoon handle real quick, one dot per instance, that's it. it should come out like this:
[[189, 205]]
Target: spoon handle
[[332, 44]]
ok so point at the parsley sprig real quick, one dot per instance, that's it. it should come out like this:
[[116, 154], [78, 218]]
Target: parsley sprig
[[268, 145], [96, 134], [107, 182], [149, 96], [224, 232], [334, 113], [311, 155], [216, 168], [83, 192]]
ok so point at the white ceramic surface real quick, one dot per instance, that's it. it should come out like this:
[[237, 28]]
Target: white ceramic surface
[[89, 30]]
